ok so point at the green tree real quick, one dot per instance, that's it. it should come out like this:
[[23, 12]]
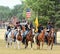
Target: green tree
[[4, 12]]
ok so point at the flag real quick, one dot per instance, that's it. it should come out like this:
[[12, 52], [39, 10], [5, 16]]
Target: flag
[[36, 24], [28, 13]]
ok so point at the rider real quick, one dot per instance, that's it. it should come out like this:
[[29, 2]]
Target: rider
[[49, 26], [16, 29], [27, 28], [40, 28], [8, 30]]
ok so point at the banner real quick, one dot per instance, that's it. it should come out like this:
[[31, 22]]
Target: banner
[[36, 24]]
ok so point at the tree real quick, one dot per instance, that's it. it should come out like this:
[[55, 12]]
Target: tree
[[4, 12], [57, 13], [40, 7], [44, 9]]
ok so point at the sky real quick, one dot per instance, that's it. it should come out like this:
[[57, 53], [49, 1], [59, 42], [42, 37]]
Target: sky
[[9, 3]]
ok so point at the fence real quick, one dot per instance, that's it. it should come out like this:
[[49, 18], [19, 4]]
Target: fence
[[58, 37]]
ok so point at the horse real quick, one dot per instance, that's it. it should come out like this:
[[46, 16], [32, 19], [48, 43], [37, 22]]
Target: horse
[[9, 38], [29, 37], [40, 38], [50, 37], [18, 38]]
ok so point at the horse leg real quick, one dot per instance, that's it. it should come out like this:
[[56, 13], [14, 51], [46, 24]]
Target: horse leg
[[18, 43], [48, 43], [31, 43], [38, 45], [7, 45], [42, 44], [26, 44], [52, 44], [10, 43], [15, 44], [34, 39]]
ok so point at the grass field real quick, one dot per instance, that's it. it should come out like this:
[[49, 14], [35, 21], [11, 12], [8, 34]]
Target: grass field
[[4, 50]]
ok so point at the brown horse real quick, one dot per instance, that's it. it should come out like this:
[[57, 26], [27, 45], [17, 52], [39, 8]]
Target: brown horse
[[50, 38], [29, 37], [40, 38], [18, 38]]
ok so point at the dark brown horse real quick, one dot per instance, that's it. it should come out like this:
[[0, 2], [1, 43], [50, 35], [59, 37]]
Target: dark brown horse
[[40, 38], [50, 38], [29, 37]]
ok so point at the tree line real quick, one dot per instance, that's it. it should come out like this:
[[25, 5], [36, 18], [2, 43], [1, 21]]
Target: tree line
[[45, 10]]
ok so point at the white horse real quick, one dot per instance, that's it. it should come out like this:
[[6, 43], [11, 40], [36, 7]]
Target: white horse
[[9, 38]]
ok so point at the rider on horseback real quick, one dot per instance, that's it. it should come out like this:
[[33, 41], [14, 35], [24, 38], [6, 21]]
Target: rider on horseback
[[27, 28], [40, 28], [49, 26], [17, 27], [8, 30]]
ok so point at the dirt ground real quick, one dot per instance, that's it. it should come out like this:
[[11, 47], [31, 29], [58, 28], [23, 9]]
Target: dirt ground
[[22, 50]]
